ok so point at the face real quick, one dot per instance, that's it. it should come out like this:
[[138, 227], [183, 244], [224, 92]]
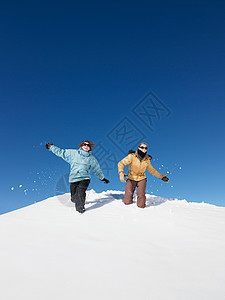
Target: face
[[86, 147], [143, 148]]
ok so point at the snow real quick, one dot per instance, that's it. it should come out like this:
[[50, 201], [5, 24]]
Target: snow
[[172, 249]]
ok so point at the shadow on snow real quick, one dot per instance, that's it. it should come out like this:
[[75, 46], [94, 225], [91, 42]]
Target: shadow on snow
[[150, 200]]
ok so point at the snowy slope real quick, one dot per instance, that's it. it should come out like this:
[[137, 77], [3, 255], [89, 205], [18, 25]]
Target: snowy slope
[[169, 250]]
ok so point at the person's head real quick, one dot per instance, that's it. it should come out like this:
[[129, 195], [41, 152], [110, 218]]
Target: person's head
[[87, 145], [143, 147]]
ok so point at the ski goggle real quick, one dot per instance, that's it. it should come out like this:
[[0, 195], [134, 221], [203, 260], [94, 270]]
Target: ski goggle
[[142, 147]]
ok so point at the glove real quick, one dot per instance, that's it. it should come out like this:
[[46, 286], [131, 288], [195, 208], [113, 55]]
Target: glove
[[105, 180], [122, 177], [48, 145], [165, 179]]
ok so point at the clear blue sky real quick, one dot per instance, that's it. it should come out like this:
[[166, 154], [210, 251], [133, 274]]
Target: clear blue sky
[[72, 71]]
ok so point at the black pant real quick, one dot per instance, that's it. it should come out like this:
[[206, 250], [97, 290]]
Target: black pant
[[78, 193]]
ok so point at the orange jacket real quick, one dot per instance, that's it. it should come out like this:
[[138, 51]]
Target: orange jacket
[[137, 167]]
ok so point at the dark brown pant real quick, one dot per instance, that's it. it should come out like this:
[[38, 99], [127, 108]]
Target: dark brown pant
[[129, 192]]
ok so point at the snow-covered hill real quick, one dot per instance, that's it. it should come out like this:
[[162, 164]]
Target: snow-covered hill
[[170, 250]]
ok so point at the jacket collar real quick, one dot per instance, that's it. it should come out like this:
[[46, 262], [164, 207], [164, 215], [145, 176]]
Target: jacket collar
[[84, 153], [147, 156], [144, 158]]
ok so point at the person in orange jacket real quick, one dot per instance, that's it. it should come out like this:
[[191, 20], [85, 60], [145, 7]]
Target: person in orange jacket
[[138, 162]]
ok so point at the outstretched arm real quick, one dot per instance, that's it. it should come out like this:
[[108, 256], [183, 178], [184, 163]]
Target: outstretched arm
[[153, 171], [63, 153]]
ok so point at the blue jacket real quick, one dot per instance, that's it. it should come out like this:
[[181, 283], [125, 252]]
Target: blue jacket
[[80, 163]]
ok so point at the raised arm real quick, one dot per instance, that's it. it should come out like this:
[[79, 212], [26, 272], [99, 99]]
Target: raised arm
[[63, 153]]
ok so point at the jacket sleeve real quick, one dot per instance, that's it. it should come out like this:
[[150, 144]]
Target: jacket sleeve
[[126, 161], [96, 168], [63, 153], [153, 171]]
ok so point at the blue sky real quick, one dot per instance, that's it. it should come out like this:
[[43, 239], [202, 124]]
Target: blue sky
[[72, 71]]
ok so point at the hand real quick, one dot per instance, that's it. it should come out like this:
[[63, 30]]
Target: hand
[[105, 180], [122, 177], [48, 145], [165, 179]]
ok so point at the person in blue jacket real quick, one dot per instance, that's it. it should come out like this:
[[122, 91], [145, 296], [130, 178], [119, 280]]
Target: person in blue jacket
[[81, 161]]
